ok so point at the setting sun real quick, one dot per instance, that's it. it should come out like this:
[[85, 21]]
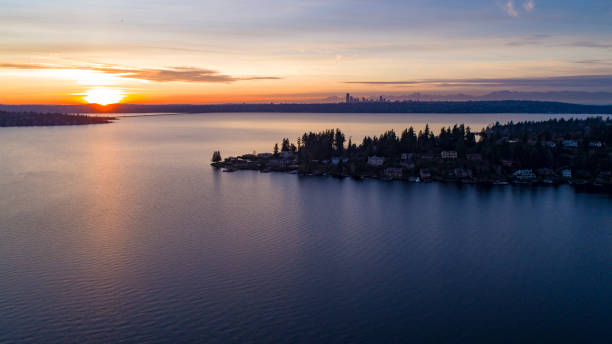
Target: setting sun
[[104, 96]]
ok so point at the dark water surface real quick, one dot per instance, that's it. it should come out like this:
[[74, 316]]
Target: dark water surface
[[123, 233]]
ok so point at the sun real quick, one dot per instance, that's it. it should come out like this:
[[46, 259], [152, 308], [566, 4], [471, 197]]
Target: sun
[[103, 96]]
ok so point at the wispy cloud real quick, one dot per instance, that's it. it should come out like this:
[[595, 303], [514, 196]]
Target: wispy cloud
[[589, 44], [593, 62], [171, 74], [509, 8], [528, 40]]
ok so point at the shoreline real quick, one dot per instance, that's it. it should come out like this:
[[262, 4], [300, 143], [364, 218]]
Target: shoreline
[[37, 119], [576, 183]]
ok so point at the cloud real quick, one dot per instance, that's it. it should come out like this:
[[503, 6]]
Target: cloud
[[581, 81], [171, 74], [528, 40], [589, 44], [593, 61], [509, 8]]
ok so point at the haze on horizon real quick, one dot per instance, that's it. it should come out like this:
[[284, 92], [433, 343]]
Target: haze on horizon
[[71, 52]]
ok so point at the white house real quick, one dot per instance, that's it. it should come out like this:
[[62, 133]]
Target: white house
[[524, 174], [376, 160], [566, 173], [595, 144], [448, 154]]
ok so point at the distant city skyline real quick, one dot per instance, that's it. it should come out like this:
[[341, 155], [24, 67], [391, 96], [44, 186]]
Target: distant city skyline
[[197, 52]]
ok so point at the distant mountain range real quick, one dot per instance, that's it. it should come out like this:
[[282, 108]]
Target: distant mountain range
[[505, 106], [578, 97]]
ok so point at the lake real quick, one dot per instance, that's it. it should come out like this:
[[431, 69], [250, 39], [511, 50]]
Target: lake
[[124, 233]]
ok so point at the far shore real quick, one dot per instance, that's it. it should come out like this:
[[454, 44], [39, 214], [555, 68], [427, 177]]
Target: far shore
[[30, 119], [369, 107]]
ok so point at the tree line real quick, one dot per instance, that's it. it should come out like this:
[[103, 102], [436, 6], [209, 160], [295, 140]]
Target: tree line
[[528, 144]]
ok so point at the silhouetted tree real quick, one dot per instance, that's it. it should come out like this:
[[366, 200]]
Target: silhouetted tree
[[285, 146], [216, 157]]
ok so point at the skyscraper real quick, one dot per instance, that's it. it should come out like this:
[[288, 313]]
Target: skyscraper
[[348, 98]]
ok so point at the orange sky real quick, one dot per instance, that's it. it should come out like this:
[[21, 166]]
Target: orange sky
[[290, 51]]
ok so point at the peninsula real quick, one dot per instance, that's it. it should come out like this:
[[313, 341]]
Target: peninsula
[[28, 119], [577, 151]]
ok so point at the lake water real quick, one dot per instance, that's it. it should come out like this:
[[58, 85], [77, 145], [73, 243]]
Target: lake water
[[124, 233]]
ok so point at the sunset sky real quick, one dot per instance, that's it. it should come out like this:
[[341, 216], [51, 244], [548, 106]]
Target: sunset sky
[[61, 51]]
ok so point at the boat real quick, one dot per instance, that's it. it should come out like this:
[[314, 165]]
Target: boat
[[293, 172], [230, 169], [500, 182]]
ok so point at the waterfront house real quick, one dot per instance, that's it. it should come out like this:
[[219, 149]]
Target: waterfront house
[[241, 163], [407, 164], [570, 144], [549, 144], [376, 160], [524, 174], [448, 155], [394, 172], [425, 174], [595, 144], [335, 160], [406, 156], [566, 173]]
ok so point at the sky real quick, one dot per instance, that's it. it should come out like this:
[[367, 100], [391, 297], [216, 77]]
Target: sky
[[153, 52]]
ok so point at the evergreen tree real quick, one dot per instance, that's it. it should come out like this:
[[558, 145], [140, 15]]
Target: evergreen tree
[[216, 157], [285, 146]]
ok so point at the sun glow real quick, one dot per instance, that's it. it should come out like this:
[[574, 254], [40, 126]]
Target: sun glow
[[103, 96]]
